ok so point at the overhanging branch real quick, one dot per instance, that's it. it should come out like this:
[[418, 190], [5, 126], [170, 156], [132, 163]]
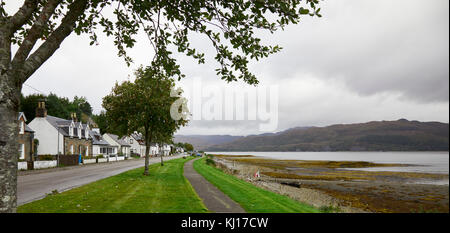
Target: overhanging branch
[[35, 32], [46, 50]]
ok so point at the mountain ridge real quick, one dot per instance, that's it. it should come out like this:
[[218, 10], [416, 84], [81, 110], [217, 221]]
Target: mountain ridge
[[400, 135]]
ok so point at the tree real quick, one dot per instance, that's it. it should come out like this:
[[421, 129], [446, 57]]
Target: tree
[[101, 122], [188, 147], [28, 105], [229, 25], [56, 106], [145, 106]]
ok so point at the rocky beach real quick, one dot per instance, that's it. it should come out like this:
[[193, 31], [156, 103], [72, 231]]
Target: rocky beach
[[334, 187]]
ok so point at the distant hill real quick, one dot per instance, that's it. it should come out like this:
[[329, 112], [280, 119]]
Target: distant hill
[[401, 135], [200, 142]]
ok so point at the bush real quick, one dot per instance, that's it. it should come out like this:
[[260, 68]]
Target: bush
[[87, 157], [210, 162], [329, 209], [134, 155], [100, 156], [46, 157]]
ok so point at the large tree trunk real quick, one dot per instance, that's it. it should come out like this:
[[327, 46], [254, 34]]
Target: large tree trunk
[[147, 152], [147, 157], [162, 162], [14, 71], [9, 106]]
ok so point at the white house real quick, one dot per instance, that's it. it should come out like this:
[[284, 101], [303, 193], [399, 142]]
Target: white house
[[57, 135], [136, 142], [165, 149], [154, 148], [100, 145], [179, 150], [114, 140]]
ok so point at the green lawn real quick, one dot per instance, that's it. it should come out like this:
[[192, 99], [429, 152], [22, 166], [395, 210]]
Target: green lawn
[[253, 199], [165, 190]]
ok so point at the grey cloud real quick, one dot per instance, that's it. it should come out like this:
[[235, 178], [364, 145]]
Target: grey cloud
[[373, 46], [363, 60]]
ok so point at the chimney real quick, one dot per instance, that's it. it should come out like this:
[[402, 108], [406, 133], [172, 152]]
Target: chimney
[[74, 116], [96, 130], [41, 111]]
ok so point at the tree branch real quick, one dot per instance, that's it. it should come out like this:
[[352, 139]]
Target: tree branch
[[35, 32], [46, 50], [22, 15]]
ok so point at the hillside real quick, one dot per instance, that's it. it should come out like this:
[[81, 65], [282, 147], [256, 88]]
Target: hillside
[[200, 142], [401, 135]]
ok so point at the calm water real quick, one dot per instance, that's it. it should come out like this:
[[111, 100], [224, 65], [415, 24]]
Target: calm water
[[428, 162]]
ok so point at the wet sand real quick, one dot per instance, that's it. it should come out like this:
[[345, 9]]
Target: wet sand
[[329, 185]]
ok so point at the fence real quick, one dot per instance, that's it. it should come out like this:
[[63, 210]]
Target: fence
[[48, 161], [69, 160]]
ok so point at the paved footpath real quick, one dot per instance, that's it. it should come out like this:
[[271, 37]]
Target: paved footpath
[[37, 184], [214, 199]]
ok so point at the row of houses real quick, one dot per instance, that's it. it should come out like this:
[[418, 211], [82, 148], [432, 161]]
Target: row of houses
[[61, 136]]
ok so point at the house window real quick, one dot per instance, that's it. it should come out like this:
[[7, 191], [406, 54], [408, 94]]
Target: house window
[[22, 151], [71, 149], [22, 127], [131, 141]]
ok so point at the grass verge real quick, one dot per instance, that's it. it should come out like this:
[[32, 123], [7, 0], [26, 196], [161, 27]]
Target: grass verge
[[253, 199], [165, 190]]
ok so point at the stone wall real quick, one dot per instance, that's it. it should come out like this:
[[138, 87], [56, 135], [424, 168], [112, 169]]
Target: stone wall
[[69, 160], [86, 146], [27, 140]]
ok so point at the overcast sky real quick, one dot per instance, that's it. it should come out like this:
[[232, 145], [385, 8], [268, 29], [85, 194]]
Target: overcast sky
[[364, 60]]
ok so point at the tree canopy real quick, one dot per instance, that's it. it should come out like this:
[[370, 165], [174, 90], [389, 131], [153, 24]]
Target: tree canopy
[[230, 27], [146, 105], [56, 106]]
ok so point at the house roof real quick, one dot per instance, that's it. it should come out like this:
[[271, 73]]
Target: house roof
[[20, 115], [116, 139], [27, 128], [59, 124], [63, 125], [97, 139], [138, 137]]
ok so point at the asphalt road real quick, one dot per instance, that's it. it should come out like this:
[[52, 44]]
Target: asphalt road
[[36, 185]]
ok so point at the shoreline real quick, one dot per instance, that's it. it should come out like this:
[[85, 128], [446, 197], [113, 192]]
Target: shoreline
[[325, 184]]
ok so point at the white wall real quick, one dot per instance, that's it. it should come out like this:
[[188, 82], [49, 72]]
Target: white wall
[[134, 146], [126, 151], [22, 165], [104, 160], [95, 150], [142, 150], [44, 164], [88, 161], [47, 136]]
